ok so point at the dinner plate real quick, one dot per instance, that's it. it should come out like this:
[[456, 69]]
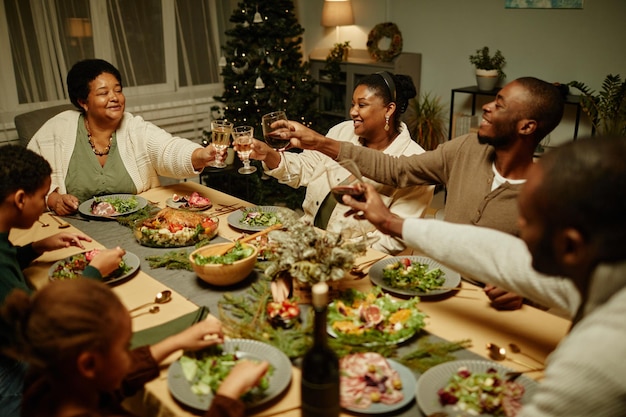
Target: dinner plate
[[453, 278], [85, 207], [408, 390], [234, 218], [438, 376], [332, 333], [375, 336], [244, 348], [130, 259], [180, 205]]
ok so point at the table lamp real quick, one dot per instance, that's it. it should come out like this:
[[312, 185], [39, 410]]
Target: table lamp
[[337, 13]]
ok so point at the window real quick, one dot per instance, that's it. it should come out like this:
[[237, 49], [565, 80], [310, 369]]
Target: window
[[138, 42], [158, 45], [196, 62]]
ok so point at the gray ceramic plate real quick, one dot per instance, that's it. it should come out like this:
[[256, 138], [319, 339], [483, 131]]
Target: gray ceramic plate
[[249, 349], [235, 218], [85, 206], [408, 390], [437, 377], [376, 276], [181, 205], [129, 258]]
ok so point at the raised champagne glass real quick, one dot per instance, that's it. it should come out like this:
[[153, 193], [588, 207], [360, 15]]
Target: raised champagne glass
[[242, 137], [220, 139], [273, 138]]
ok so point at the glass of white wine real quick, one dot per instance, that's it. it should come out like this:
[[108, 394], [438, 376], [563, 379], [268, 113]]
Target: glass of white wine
[[242, 137], [220, 138], [273, 138]]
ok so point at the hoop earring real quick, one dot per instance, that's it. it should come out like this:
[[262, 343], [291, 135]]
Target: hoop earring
[[386, 123]]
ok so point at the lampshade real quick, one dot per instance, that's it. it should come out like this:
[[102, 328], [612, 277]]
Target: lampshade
[[337, 13]]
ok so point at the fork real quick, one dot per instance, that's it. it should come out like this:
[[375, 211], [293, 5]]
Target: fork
[[225, 210]]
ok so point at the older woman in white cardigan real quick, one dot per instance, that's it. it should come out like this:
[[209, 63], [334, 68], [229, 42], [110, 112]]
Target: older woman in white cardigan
[[101, 149]]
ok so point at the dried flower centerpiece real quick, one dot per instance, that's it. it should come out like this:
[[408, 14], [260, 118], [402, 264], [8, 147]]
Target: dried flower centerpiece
[[305, 255]]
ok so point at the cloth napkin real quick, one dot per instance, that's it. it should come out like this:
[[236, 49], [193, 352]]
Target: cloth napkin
[[157, 333]]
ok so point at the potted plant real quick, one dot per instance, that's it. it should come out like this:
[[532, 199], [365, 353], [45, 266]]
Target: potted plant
[[426, 119], [607, 109], [336, 56], [488, 68]]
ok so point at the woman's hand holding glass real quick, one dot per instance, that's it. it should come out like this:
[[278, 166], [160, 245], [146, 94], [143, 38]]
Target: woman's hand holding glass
[[242, 137], [274, 138], [220, 139]]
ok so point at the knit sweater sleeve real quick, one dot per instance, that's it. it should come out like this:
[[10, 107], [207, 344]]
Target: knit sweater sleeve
[[149, 151], [222, 406], [493, 257], [429, 168], [585, 374], [25, 255]]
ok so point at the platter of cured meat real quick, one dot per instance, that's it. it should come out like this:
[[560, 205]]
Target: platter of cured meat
[[371, 384]]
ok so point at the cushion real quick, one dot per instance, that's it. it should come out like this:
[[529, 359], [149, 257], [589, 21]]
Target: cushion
[[27, 124]]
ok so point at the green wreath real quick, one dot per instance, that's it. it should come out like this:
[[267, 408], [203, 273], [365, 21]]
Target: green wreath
[[384, 30]]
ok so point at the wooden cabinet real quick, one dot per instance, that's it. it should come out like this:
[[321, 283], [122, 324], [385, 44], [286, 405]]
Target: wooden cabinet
[[335, 96]]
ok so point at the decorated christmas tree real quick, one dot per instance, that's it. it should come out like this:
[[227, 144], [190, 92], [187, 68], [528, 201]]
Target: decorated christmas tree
[[263, 68]]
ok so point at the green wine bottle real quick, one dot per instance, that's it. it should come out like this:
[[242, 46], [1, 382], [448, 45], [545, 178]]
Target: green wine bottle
[[320, 365]]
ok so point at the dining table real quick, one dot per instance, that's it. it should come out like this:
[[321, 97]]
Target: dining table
[[463, 314]]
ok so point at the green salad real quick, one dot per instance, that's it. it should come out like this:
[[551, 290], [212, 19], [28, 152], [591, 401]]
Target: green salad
[[121, 205], [409, 275], [481, 393], [237, 253], [259, 218], [206, 369], [374, 318], [73, 267]]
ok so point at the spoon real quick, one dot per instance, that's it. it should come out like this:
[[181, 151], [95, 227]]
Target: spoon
[[161, 298], [153, 310], [516, 349], [42, 223], [499, 354], [62, 225]]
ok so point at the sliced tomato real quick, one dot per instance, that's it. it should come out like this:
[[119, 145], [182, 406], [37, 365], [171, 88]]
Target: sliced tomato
[[175, 227], [208, 224], [286, 310], [406, 262]]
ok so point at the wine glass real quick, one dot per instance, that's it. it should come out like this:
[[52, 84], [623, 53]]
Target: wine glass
[[242, 137], [344, 177], [220, 138], [272, 137]]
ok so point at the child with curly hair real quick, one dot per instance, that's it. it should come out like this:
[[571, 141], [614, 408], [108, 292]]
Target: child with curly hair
[[76, 336]]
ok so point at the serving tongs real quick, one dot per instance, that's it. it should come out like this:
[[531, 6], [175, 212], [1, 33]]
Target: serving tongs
[[251, 237]]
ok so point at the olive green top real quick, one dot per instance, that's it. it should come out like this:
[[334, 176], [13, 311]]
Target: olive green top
[[86, 178]]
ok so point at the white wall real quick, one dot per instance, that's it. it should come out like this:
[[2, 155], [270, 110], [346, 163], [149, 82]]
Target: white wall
[[557, 45]]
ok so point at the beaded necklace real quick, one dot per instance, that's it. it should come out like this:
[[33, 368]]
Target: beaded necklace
[[93, 147]]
